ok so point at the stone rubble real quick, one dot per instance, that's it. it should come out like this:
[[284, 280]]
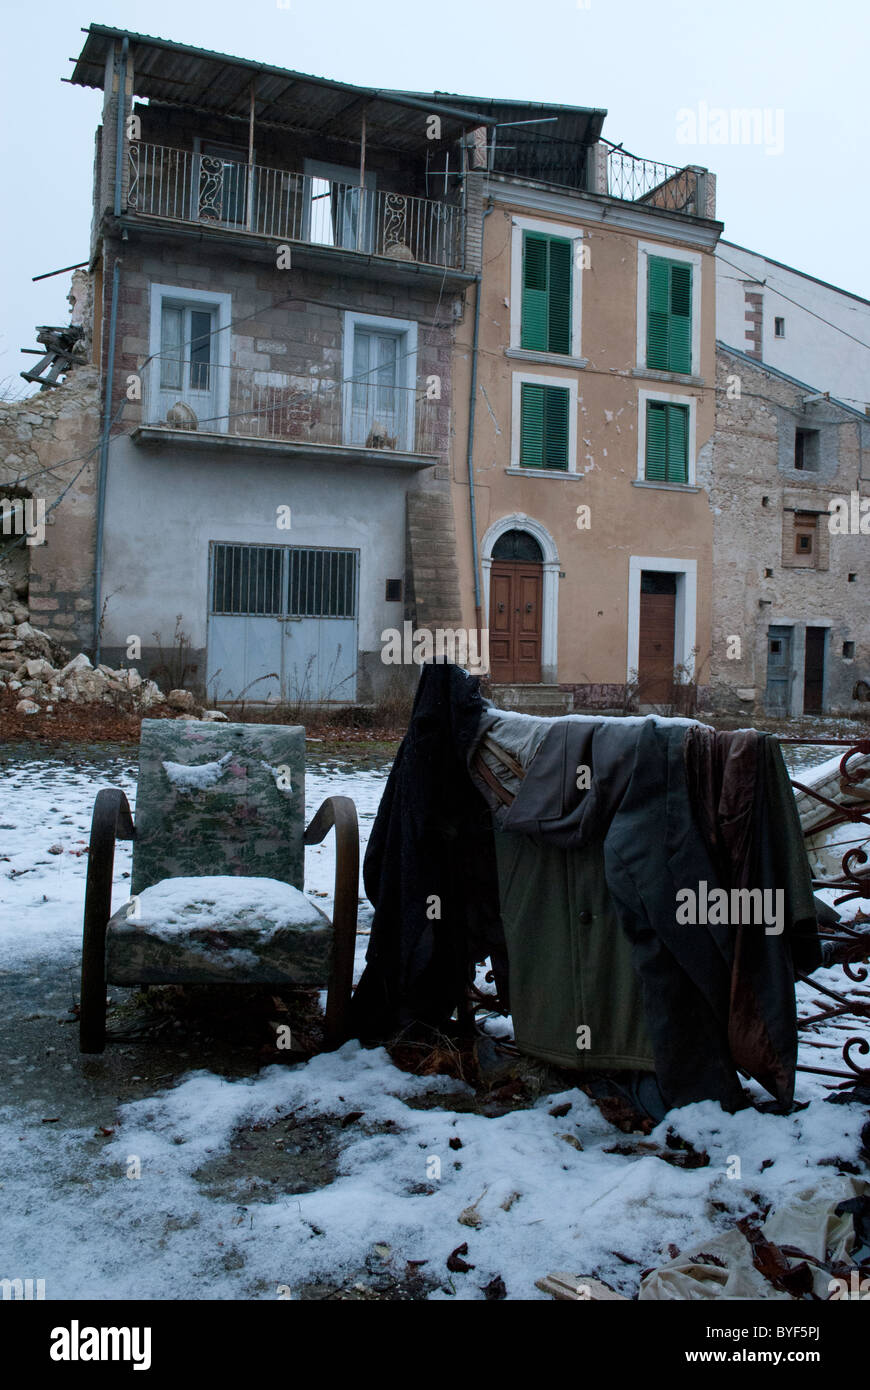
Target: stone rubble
[[40, 671]]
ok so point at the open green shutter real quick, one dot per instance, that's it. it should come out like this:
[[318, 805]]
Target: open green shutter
[[535, 310], [531, 426], [680, 319], [677, 444], [656, 441], [559, 286], [657, 313], [556, 428]]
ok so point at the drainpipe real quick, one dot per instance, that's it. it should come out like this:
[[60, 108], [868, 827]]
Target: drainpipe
[[110, 358], [471, 413]]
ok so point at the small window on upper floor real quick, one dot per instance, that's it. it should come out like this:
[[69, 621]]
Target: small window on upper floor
[[805, 535], [806, 450], [779, 328]]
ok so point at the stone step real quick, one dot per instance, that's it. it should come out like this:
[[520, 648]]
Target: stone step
[[533, 699]]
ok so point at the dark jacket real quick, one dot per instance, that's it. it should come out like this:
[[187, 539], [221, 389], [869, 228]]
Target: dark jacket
[[429, 869]]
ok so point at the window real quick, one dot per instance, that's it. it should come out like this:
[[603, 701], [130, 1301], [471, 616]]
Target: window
[[380, 377], [393, 591], [186, 348], [189, 345], [779, 328], [337, 211], [669, 315], [667, 442], [268, 581], [546, 293], [848, 650], [806, 450], [805, 532], [544, 426]]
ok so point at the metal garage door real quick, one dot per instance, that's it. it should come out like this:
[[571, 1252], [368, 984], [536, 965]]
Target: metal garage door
[[282, 623]]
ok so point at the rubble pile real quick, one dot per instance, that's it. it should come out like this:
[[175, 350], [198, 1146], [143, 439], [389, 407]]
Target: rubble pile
[[42, 674]]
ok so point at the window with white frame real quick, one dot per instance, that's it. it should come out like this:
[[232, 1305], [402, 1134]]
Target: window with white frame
[[668, 309], [544, 423], [380, 381], [547, 260], [666, 438], [189, 356]]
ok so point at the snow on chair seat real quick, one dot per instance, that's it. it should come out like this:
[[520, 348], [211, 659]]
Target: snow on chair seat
[[219, 930]]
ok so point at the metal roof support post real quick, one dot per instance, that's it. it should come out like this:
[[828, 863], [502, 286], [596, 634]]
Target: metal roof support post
[[250, 217], [362, 182]]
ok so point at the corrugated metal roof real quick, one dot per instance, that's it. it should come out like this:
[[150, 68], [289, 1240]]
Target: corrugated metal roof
[[178, 74]]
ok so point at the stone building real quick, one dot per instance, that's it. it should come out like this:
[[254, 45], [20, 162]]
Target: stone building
[[280, 262], [48, 469], [787, 479]]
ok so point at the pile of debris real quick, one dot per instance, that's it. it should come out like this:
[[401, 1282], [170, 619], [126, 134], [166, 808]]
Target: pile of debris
[[41, 673]]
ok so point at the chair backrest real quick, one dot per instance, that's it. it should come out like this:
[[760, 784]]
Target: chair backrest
[[219, 799]]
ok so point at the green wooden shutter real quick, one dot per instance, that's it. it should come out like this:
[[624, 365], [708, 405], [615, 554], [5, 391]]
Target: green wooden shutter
[[657, 307], [680, 319], [560, 295], [667, 442], [656, 441], [556, 427], [678, 444], [544, 426], [546, 306], [669, 315], [535, 311], [531, 426]]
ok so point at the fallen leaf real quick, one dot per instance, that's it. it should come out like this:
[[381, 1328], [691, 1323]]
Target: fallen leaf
[[495, 1289], [572, 1140], [510, 1199], [455, 1263]]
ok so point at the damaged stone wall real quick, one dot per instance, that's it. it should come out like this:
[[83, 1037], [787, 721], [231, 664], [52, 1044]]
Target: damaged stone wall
[[49, 460], [760, 500]]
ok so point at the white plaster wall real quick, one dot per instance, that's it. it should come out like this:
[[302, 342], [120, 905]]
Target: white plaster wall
[[164, 505], [811, 351]]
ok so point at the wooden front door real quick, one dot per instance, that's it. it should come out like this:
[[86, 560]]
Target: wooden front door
[[655, 658], [814, 670], [515, 588]]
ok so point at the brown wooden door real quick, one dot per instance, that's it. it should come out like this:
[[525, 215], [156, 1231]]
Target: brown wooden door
[[814, 670], [515, 588], [655, 658]]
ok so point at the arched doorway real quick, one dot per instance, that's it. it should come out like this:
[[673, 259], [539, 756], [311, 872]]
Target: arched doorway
[[516, 608]]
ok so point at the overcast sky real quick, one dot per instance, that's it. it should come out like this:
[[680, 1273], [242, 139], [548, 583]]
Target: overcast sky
[[800, 196]]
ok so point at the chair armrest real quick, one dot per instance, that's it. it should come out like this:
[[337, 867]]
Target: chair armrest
[[111, 821], [340, 812]]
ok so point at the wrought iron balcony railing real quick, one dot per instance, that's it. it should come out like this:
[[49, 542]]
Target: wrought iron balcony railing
[[251, 404], [655, 184], [190, 186]]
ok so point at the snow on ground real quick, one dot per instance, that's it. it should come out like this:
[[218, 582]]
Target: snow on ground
[[74, 1212]]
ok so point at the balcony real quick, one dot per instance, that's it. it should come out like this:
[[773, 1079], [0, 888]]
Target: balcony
[[205, 405], [657, 185], [284, 206]]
